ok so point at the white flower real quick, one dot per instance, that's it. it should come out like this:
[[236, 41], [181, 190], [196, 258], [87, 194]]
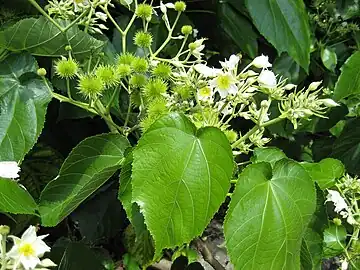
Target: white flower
[[28, 249], [338, 201], [267, 79], [207, 71], [9, 169], [344, 265], [205, 94], [227, 110], [199, 46], [225, 84], [164, 7], [261, 61], [314, 85], [102, 16], [232, 63], [328, 102]]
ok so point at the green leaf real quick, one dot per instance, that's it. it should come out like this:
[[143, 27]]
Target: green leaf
[[125, 189], [40, 37], [238, 28], [349, 80], [15, 199], [312, 244], [284, 24], [325, 172], [180, 178], [346, 146], [90, 164], [286, 67], [334, 240], [23, 102], [268, 214], [267, 154], [329, 58]]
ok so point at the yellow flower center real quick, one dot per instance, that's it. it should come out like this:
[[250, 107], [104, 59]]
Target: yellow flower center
[[223, 82], [205, 92], [27, 250]]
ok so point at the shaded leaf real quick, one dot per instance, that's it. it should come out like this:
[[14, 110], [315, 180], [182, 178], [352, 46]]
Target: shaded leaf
[[285, 66], [267, 154], [23, 102], [90, 164], [184, 180], [238, 28], [349, 80], [334, 240], [329, 58], [269, 212], [284, 24], [40, 37]]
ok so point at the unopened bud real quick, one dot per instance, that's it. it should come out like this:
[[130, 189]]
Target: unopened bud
[[41, 72], [4, 230]]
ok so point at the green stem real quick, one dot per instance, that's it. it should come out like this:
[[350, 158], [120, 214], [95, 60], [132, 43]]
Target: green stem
[[40, 9], [128, 112], [124, 34], [112, 20], [254, 129], [3, 253], [75, 21], [108, 106], [168, 37], [68, 88], [89, 19], [182, 47]]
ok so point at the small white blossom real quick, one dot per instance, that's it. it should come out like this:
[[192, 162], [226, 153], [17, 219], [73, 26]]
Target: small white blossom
[[205, 94], [9, 169], [261, 61], [232, 63], [28, 249], [314, 85], [199, 46], [339, 202], [102, 16], [267, 79], [344, 265], [195, 32], [225, 84], [164, 7], [207, 71]]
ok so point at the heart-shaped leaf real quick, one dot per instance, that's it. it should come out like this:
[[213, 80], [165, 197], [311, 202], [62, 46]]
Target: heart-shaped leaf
[[23, 102], [180, 178], [91, 163], [268, 214]]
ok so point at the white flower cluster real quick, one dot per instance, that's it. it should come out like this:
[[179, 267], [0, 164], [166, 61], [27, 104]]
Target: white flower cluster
[[341, 206], [26, 252]]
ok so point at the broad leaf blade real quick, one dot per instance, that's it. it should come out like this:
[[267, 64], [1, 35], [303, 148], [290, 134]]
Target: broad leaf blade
[[349, 81], [334, 240], [42, 38], [15, 199], [180, 178], [268, 215], [91, 163], [325, 172], [267, 154], [23, 104], [284, 24]]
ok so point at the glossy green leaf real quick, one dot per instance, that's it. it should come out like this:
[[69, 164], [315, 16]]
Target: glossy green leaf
[[329, 58], [325, 172], [238, 28], [284, 23], [268, 215], [334, 240], [267, 154], [15, 199], [349, 81], [125, 189], [23, 102], [183, 181], [346, 146], [90, 164], [40, 37]]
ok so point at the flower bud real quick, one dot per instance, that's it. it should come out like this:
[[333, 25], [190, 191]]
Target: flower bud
[[143, 39], [290, 86], [328, 102], [68, 48], [337, 221], [186, 29], [314, 85], [261, 61], [267, 79], [140, 65], [91, 86], [144, 11], [41, 72], [180, 6], [4, 230], [162, 70], [66, 68]]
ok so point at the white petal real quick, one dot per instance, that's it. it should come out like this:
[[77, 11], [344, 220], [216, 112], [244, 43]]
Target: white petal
[[328, 102], [290, 86], [29, 235], [267, 79], [223, 93], [314, 85], [47, 263], [207, 71], [233, 89], [29, 262], [163, 7], [40, 247], [170, 5], [9, 169], [261, 61]]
